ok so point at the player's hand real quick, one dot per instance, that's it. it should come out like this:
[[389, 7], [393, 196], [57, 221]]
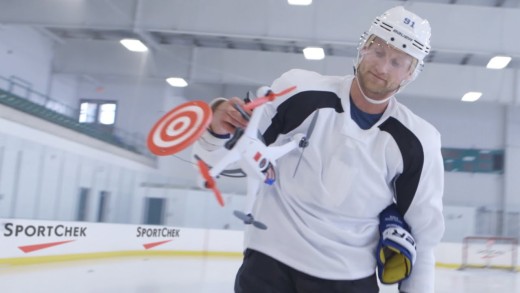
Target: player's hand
[[396, 251], [226, 118]]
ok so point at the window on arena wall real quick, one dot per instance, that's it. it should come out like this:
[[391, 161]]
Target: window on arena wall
[[473, 160], [99, 112], [83, 204], [103, 206]]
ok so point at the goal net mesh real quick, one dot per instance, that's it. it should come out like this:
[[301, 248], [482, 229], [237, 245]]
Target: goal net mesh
[[489, 252]]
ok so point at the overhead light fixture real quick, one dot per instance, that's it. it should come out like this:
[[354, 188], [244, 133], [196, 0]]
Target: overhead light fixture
[[313, 53], [300, 2], [471, 96], [498, 62], [177, 82], [134, 45]]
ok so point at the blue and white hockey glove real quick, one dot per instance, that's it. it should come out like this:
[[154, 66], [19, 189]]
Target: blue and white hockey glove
[[396, 250]]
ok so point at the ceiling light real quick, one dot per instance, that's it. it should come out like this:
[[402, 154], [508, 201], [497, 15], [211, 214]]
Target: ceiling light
[[299, 2], [471, 96], [134, 45], [177, 82], [314, 53], [498, 62]]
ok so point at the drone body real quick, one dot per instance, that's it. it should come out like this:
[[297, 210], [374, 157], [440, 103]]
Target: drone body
[[183, 125], [256, 159]]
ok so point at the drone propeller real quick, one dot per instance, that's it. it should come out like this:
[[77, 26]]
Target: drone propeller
[[210, 181], [304, 142], [270, 96], [249, 220]]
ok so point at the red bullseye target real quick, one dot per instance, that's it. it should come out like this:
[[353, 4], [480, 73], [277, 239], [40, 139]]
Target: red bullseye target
[[179, 128]]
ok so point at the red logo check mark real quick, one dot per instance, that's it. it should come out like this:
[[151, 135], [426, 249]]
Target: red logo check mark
[[31, 248]]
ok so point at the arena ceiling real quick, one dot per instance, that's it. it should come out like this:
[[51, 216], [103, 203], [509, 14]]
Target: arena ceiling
[[249, 42]]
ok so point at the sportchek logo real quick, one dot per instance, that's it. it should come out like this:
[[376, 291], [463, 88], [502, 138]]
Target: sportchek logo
[[157, 233], [15, 230], [12, 230]]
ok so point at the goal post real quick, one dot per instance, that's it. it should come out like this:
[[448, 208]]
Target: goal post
[[489, 252]]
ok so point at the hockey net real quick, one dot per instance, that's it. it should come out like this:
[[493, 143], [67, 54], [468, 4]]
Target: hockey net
[[489, 252]]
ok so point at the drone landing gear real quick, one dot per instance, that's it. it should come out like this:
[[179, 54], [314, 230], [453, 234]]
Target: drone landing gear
[[249, 220]]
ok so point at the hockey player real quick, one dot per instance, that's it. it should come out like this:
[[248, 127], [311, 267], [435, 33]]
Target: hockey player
[[366, 198]]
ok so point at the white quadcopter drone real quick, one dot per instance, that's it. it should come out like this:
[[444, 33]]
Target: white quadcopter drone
[[245, 147]]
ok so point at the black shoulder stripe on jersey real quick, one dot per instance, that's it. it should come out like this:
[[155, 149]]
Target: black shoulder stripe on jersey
[[293, 111], [413, 160]]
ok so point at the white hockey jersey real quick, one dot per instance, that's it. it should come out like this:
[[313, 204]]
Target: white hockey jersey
[[323, 219]]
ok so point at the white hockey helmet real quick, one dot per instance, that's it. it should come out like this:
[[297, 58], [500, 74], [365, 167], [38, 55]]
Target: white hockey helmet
[[404, 30]]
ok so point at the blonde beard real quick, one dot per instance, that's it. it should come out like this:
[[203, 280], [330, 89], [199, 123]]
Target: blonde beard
[[360, 81]]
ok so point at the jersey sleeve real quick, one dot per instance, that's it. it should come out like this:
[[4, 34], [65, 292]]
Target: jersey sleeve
[[424, 215]]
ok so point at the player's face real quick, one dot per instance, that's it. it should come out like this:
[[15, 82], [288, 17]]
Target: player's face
[[383, 68]]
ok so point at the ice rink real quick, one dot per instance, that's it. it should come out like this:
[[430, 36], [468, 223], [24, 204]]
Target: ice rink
[[194, 275]]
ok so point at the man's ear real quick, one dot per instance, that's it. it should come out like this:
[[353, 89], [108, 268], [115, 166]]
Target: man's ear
[[409, 78]]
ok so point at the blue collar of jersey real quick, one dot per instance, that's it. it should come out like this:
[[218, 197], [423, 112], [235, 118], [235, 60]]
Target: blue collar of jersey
[[363, 120]]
